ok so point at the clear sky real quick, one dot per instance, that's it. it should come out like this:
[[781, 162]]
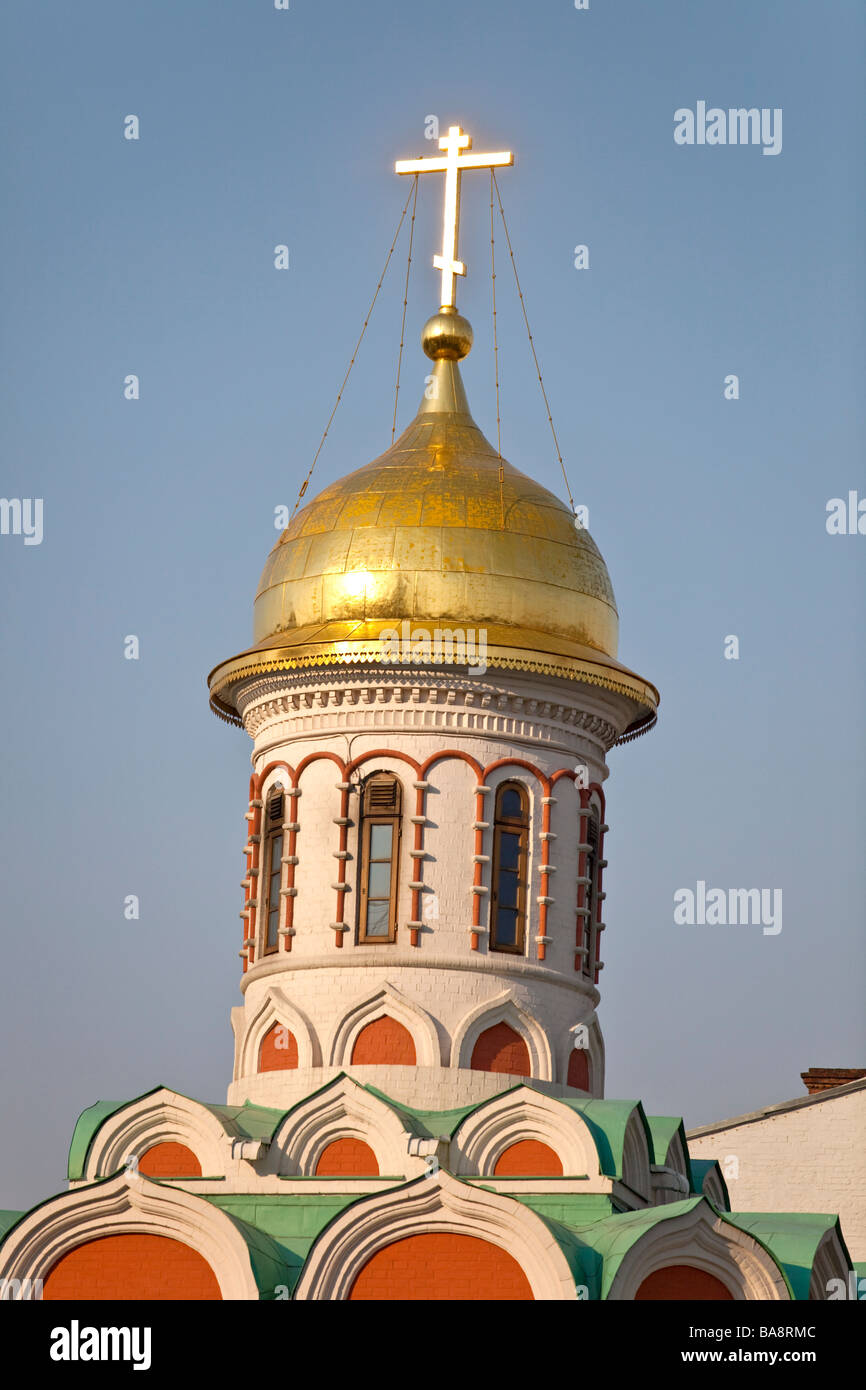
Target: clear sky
[[155, 257]]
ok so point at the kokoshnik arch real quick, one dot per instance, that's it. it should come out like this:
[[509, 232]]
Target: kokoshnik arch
[[417, 1105]]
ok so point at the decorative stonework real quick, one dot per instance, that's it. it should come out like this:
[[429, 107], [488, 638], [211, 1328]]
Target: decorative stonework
[[438, 1204], [418, 701]]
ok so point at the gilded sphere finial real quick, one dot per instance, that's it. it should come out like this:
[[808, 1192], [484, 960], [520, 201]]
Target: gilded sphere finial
[[447, 334]]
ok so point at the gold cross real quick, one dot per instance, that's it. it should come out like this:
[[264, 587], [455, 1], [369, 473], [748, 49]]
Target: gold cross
[[452, 166]]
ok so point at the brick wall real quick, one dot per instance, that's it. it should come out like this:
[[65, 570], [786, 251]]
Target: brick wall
[[805, 1159], [130, 1267], [441, 1266]]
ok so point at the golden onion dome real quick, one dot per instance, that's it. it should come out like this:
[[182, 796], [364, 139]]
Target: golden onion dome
[[437, 533]]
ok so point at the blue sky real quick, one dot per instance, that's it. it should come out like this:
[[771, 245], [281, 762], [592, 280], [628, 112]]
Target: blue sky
[[155, 257]]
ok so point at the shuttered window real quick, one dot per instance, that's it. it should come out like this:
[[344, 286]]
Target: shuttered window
[[379, 858], [272, 870], [590, 897], [509, 885]]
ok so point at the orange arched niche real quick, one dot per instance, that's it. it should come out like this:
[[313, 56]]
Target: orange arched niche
[[345, 1158], [384, 1042], [501, 1049], [528, 1158], [677, 1283], [578, 1070], [441, 1266], [132, 1267], [278, 1050], [169, 1160]]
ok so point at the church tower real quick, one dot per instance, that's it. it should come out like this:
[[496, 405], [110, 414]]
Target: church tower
[[431, 693], [417, 1106]]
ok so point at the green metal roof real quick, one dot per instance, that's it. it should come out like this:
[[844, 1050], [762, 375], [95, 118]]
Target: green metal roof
[[701, 1167], [8, 1220], [607, 1121], [243, 1121], [792, 1238], [86, 1126], [291, 1223]]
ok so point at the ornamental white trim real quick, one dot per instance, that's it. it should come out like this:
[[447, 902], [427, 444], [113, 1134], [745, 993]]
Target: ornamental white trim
[[276, 1009], [594, 1054], [128, 1204], [485, 1134], [341, 1110], [503, 1008], [377, 1003], [164, 1117], [701, 1239], [427, 1205]]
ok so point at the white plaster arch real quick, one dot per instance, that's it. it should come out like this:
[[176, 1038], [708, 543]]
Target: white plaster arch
[[377, 1003], [485, 1134], [636, 1172], [129, 1204], [341, 1110], [163, 1117], [595, 1056], [713, 1187], [434, 1204], [830, 1262], [277, 1009], [698, 1237], [503, 1008]]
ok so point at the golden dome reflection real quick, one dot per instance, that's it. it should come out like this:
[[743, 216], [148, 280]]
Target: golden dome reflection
[[425, 533]]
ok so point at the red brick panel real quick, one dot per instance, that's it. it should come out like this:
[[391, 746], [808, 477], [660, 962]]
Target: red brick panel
[[578, 1070], [279, 1050], [439, 1267], [501, 1049], [132, 1267], [347, 1158], [677, 1283], [529, 1158], [384, 1042], [169, 1161]]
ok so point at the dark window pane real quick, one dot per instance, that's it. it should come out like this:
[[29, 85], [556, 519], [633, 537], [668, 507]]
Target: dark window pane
[[276, 851], [506, 927], [377, 919], [380, 841], [273, 924], [509, 850], [506, 889], [380, 881], [510, 805]]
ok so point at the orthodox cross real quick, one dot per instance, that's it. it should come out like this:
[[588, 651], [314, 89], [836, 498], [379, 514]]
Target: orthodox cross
[[452, 166]]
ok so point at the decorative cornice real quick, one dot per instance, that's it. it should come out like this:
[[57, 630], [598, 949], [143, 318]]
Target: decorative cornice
[[295, 696], [226, 679]]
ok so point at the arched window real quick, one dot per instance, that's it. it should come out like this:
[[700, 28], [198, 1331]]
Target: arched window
[[508, 885], [379, 856], [590, 896], [272, 870]]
